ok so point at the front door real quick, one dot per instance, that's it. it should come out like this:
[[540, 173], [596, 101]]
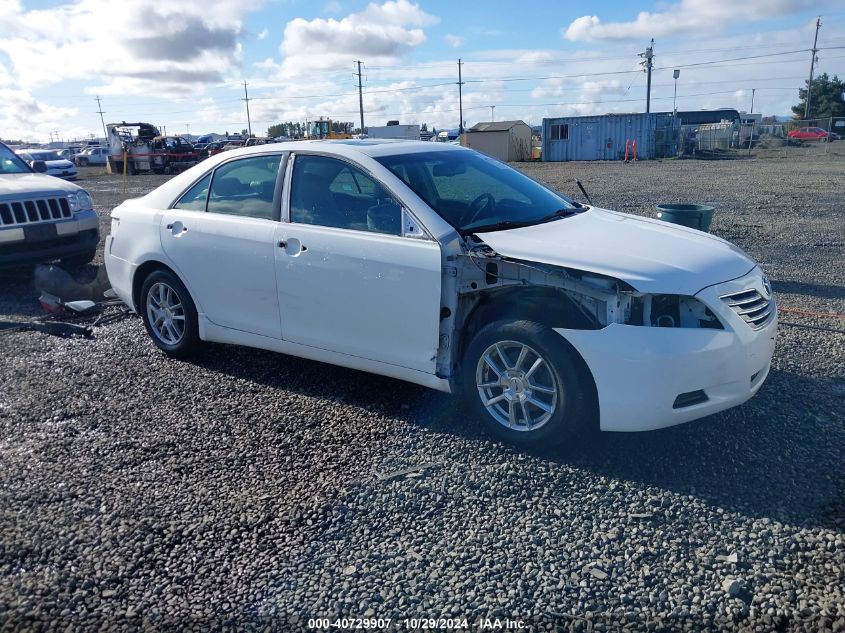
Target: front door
[[221, 240], [349, 280]]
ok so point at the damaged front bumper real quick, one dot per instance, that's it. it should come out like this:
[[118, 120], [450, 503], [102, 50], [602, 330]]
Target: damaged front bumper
[[653, 377]]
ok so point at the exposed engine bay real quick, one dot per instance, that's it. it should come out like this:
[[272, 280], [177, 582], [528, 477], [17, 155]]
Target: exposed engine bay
[[559, 296]]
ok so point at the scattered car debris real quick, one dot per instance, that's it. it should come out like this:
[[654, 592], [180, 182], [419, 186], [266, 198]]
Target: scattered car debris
[[57, 282], [55, 328], [405, 472]]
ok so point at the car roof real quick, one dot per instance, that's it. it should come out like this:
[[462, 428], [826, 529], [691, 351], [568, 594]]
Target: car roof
[[350, 147]]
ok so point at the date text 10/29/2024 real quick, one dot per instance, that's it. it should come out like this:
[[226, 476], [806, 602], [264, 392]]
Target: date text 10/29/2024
[[416, 624]]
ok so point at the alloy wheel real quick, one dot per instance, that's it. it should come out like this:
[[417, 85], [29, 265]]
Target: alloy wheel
[[517, 386], [165, 313]]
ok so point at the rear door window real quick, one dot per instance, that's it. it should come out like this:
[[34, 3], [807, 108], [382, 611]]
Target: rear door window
[[195, 198], [245, 187]]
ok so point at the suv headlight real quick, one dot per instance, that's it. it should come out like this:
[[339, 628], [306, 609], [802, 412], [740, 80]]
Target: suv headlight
[[80, 201]]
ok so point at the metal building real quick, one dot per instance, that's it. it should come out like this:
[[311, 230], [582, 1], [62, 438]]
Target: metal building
[[604, 137], [505, 140]]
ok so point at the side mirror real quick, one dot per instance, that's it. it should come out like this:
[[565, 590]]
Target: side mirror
[[39, 166]]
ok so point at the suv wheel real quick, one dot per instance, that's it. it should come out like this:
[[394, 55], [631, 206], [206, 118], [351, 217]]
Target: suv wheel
[[523, 380]]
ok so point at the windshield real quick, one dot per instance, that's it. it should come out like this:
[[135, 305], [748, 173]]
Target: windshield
[[10, 163], [476, 193], [43, 155]]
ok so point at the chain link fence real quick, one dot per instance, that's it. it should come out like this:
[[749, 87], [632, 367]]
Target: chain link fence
[[734, 138]]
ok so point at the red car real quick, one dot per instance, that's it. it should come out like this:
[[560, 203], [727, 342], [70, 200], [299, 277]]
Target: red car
[[812, 134]]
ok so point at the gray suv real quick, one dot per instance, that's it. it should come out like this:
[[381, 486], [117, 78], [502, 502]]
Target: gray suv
[[43, 218]]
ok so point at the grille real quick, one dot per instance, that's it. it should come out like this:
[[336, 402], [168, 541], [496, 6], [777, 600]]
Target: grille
[[753, 307], [24, 212]]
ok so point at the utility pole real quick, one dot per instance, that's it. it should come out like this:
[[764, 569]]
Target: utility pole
[[492, 113], [102, 120], [813, 52], [248, 122], [460, 100], [675, 74], [753, 90], [360, 95], [648, 64]]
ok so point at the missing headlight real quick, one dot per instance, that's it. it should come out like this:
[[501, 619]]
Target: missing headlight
[[672, 311]]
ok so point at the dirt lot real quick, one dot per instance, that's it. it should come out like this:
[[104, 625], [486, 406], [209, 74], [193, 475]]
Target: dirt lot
[[243, 489]]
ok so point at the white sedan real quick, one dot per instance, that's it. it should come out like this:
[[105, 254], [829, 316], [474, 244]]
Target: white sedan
[[438, 265], [56, 165]]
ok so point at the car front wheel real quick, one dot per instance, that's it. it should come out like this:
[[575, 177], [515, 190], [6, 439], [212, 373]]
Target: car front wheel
[[525, 382], [169, 314]]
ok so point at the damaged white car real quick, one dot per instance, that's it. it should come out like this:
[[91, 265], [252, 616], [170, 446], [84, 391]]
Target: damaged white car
[[438, 265]]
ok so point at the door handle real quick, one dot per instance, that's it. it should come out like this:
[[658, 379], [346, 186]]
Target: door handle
[[169, 227], [283, 244]]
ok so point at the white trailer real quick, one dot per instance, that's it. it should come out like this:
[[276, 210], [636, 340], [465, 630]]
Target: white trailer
[[404, 132]]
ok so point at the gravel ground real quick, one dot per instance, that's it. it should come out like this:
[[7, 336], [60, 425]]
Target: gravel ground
[[246, 489]]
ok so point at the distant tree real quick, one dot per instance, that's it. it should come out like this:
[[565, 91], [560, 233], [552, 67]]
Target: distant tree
[[828, 98], [245, 132], [280, 129], [424, 127]]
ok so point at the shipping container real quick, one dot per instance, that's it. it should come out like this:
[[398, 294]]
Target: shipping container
[[605, 137]]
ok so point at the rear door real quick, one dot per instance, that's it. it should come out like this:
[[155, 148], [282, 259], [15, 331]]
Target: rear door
[[220, 236], [353, 276]]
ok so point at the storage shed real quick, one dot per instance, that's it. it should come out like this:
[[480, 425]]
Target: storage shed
[[604, 137], [504, 140]]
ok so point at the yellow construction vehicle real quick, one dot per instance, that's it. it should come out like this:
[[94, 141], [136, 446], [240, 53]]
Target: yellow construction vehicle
[[322, 129]]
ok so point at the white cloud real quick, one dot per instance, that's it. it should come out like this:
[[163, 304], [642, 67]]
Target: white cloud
[[333, 7], [190, 42], [263, 34], [455, 41], [381, 33], [687, 15], [26, 118]]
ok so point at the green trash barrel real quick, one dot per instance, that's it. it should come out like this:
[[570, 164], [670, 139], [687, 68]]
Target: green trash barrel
[[695, 216]]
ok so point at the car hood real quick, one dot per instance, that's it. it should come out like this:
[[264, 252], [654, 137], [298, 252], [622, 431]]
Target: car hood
[[651, 255], [58, 164], [16, 185]]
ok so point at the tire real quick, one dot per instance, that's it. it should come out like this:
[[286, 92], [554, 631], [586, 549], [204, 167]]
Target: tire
[[167, 170], [78, 261], [163, 290], [545, 382], [83, 162]]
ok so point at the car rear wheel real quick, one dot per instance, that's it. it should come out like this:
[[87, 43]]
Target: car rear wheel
[[169, 314], [525, 382]]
